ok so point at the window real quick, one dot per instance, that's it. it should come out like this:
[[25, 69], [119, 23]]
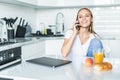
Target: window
[[107, 21]]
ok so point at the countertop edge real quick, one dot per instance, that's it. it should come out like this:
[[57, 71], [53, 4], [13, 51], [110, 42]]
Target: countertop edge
[[26, 41]]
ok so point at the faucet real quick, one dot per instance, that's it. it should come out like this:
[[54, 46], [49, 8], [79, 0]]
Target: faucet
[[59, 23]]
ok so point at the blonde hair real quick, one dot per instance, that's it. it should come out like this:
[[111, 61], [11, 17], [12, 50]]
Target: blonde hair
[[91, 25]]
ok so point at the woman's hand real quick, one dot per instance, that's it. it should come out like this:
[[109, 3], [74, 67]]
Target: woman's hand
[[68, 42], [75, 24]]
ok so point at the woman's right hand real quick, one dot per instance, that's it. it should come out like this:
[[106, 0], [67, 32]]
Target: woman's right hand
[[75, 24]]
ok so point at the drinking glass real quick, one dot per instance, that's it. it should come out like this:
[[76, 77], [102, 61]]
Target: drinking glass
[[98, 56]]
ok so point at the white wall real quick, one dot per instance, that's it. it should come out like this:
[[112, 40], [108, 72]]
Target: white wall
[[13, 11], [48, 16], [106, 19]]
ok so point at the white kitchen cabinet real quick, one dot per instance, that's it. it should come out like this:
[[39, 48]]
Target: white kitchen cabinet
[[115, 50], [32, 2], [33, 50], [53, 47], [43, 47], [61, 3], [26, 3], [39, 2], [112, 48]]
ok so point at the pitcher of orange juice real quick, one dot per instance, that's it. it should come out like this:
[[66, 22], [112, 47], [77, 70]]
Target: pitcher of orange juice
[[98, 56]]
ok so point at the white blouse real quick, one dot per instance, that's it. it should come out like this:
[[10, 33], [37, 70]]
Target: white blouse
[[78, 49]]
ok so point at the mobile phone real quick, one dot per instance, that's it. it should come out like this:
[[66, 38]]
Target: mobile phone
[[78, 26]]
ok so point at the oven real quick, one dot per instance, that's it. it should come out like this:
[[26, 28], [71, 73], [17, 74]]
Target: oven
[[10, 57]]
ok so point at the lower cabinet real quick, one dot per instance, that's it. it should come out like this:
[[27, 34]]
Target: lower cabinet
[[53, 47], [33, 50], [112, 48], [45, 47]]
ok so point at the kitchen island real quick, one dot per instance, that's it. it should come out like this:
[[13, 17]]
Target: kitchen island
[[24, 48], [33, 47], [72, 71]]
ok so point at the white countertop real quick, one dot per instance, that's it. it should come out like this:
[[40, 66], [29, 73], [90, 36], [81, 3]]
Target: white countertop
[[72, 71], [25, 41]]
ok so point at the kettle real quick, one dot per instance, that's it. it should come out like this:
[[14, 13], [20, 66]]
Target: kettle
[[3, 31], [38, 33]]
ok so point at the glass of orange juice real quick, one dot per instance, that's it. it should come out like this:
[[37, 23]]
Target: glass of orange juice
[[98, 56]]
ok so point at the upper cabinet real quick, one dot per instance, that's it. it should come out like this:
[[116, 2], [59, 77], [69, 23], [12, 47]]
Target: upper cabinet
[[62, 3], [28, 3], [32, 2]]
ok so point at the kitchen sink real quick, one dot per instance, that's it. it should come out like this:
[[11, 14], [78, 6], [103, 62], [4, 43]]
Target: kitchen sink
[[58, 35], [52, 35], [35, 35]]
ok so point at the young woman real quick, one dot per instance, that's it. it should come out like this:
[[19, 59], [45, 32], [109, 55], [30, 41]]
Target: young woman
[[81, 39]]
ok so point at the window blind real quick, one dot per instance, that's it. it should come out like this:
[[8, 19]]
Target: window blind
[[107, 21]]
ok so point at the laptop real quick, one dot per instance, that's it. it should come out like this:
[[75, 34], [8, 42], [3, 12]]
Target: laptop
[[50, 62]]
